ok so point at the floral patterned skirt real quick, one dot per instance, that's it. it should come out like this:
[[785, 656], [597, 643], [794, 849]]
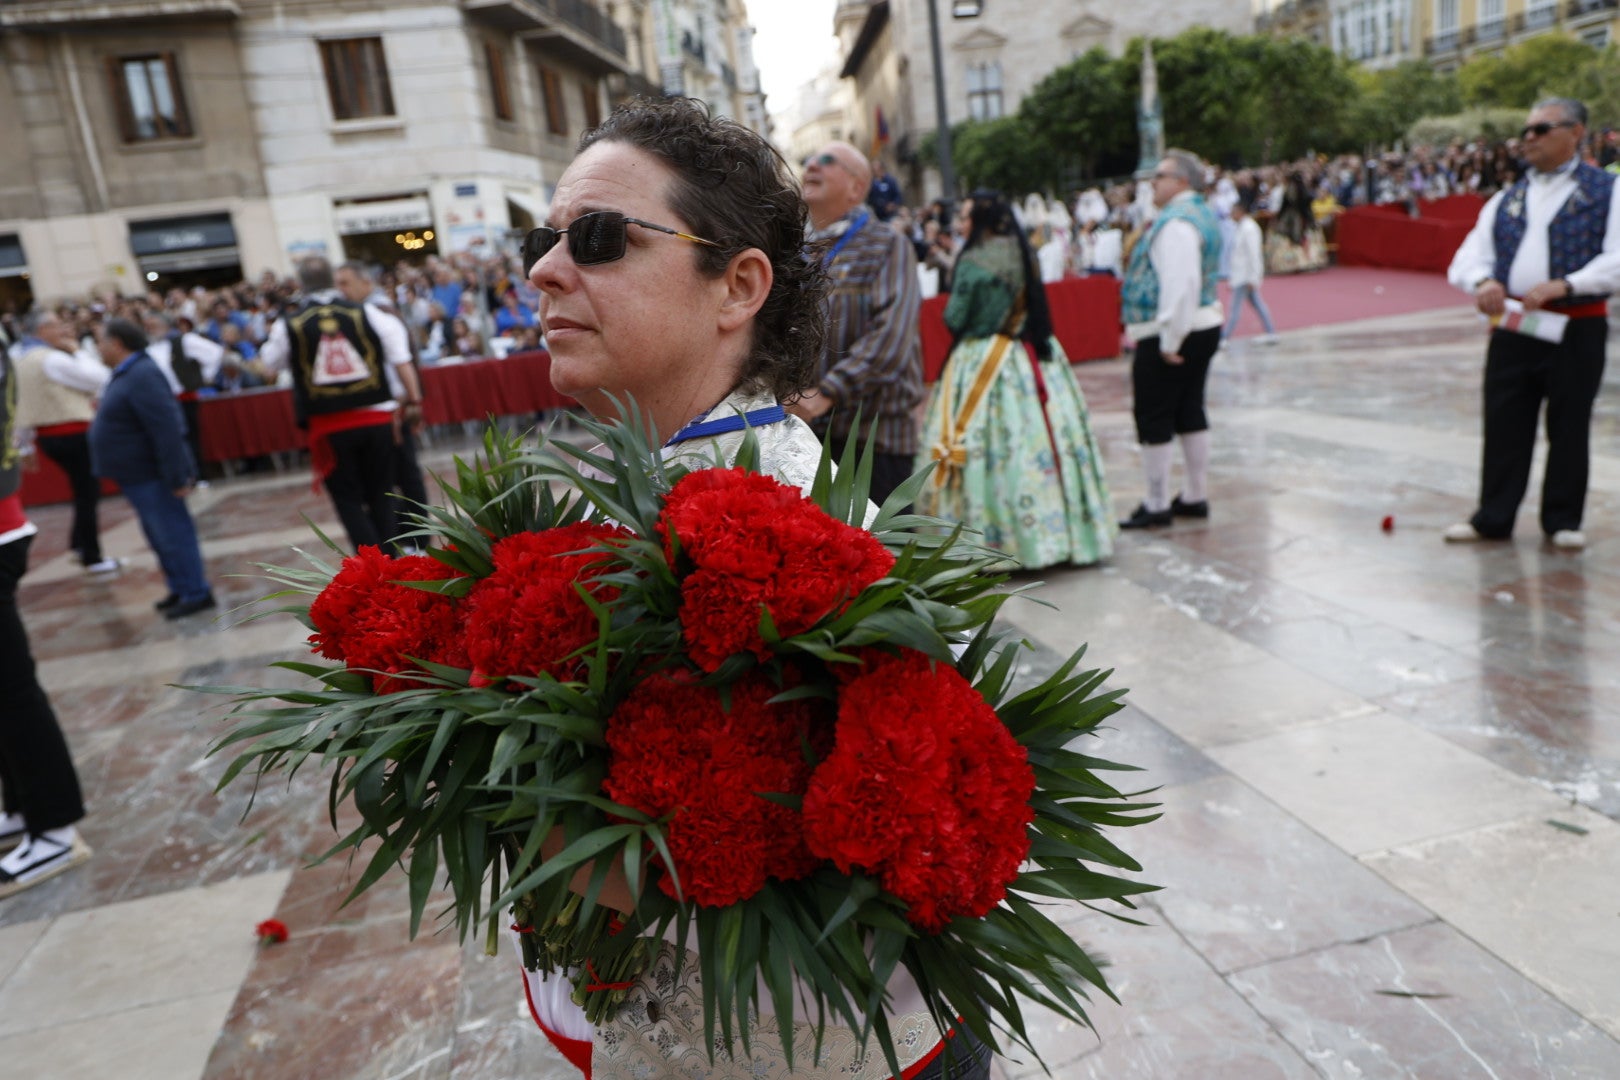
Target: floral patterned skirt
[[1029, 479]]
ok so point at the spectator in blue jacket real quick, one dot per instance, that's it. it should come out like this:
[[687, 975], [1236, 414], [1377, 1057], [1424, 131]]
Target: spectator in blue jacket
[[138, 441]]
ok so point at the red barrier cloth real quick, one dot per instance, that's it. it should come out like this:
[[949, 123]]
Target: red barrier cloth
[[1085, 320], [255, 422], [1368, 236], [515, 386]]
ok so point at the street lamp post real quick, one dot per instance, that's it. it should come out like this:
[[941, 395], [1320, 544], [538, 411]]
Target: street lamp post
[[947, 170]]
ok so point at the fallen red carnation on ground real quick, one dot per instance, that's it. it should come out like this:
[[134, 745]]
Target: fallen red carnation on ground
[[271, 932], [1388, 524]]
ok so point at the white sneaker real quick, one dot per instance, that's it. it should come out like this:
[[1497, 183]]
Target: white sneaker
[[1268, 339], [1462, 533], [105, 566], [1568, 539], [40, 858]]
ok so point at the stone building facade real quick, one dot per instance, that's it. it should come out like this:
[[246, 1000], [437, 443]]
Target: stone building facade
[[990, 60], [157, 142]]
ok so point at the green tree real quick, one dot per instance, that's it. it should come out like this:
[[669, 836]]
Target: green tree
[[1542, 65], [1084, 115], [1388, 102], [1597, 83], [1004, 154]]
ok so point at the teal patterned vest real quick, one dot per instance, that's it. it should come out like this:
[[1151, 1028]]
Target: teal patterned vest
[[1575, 235], [1139, 297]]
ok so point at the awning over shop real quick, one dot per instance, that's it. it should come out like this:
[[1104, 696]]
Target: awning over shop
[[13, 263], [169, 245], [384, 215]]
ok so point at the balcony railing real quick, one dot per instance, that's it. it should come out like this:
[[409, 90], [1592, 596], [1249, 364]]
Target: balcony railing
[[1492, 31], [1574, 9], [1449, 42], [692, 46], [546, 16], [588, 18], [629, 85]]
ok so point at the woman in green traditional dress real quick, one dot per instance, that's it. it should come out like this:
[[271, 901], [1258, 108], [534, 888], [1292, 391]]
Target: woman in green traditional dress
[[1007, 424]]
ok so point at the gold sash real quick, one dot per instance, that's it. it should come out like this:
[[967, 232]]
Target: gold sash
[[950, 449]]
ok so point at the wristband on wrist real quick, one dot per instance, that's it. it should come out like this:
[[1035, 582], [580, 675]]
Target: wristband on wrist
[[1482, 282]]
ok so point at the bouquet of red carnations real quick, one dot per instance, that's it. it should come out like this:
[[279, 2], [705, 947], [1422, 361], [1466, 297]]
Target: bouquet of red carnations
[[782, 727]]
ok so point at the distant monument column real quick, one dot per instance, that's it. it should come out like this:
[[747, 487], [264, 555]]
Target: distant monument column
[[1149, 118]]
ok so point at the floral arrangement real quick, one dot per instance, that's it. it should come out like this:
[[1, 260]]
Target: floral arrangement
[[790, 730]]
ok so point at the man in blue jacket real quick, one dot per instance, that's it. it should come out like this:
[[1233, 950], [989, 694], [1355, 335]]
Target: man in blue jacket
[[138, 441]]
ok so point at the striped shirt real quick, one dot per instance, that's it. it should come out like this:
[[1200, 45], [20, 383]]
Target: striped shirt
[[873, 363]]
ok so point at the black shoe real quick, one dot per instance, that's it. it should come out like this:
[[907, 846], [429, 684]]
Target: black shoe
[[1187, 509], [167, 602], [182, 608], [1143, 518]]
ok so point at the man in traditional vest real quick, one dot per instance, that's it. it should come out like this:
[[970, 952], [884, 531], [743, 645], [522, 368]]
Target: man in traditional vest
[[1173, 316], [1551, 242], [56, 392], [351, 367]]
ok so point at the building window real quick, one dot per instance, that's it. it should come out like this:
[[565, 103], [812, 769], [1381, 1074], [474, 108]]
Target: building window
[[1539, 13], [1490, 20], [357, 78], [499, 89], [590, 95], [551, 90], [1445, 16], [984, 90], [150, 104]]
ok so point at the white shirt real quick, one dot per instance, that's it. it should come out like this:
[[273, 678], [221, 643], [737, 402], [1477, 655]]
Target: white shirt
[[396, 343], [207, 354], [1176, 257], [1248, 259], [1104, 250], [77, 370], [1476, 259]]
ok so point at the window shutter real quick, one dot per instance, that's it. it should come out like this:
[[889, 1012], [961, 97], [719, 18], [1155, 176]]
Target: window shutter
[[120, 97]]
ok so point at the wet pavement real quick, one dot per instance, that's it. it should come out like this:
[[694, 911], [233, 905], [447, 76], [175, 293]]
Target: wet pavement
[[1390, 770]]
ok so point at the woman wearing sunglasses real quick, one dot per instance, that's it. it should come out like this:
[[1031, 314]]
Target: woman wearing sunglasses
[[672, 270]]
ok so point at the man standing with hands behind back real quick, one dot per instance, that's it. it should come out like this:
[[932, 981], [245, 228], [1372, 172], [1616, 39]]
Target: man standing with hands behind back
[[1551, 240], [873, 363]]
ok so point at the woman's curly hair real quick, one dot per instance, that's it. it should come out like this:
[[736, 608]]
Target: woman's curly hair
[[732, 187]]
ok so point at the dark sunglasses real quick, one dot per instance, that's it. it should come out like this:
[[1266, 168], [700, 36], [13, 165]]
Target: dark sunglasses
[[1543, 128], [593, 239], [823, 160]]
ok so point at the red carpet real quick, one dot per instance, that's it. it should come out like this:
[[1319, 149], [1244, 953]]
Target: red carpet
[[1344, 294]]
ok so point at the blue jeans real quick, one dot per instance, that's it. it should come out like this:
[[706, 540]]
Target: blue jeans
[[1253, 294], [169, 530]]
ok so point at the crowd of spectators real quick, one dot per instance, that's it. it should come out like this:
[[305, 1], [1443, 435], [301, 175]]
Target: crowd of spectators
[[456, 307]]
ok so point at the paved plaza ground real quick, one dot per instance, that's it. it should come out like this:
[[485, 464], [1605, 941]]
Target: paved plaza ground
[[1390, 771]]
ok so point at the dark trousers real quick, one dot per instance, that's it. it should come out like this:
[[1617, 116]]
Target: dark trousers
[[408, 473], [191, 409], [1520, 373], [1168, 399], [36, 770], [889, 471], [72, 454], [362, 482], [172, 535]]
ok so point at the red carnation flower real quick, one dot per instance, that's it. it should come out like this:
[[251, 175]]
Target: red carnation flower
[[750, 543], [271, 932], [527, 616], [675, 749], [925, 788], [367, 620]]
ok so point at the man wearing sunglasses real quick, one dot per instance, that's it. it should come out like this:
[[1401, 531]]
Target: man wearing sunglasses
[[1550, 241], [873, 363]]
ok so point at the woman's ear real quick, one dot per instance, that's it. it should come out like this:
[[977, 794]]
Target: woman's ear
[[747, 283]]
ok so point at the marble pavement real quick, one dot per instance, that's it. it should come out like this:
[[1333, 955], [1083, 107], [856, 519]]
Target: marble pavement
[[1390, 772]]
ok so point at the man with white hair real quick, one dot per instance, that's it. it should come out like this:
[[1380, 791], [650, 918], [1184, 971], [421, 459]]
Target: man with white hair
[[56, 391], [873, 361], [1172, 314]]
